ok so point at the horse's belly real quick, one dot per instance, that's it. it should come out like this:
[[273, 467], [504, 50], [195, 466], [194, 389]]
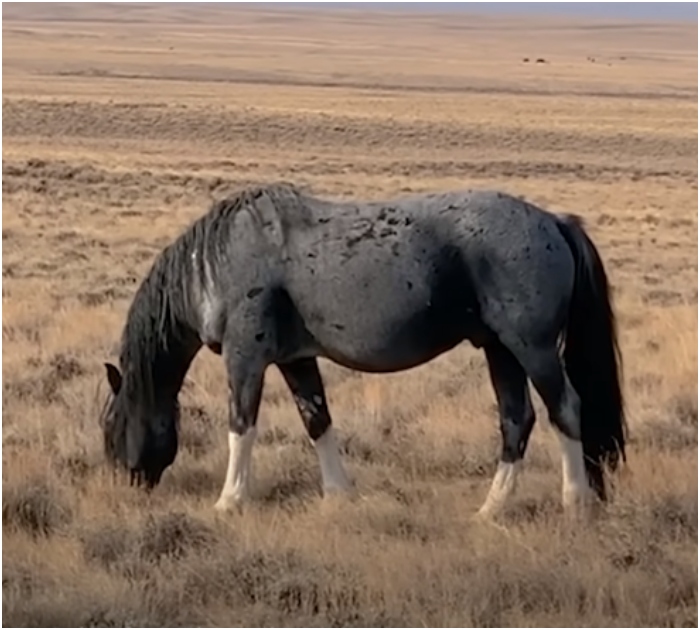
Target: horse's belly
[[381, 312], [377, 345]]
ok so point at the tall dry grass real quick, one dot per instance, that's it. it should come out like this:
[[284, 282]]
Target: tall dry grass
[[114, 139]]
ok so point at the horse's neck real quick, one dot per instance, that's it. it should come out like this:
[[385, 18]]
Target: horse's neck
[[159, 362], [172, 361]]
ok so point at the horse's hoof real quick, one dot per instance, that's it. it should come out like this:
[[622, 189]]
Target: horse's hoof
[[578, 503], [338, 494], [483, 516], [226, 505], [341, 487], [582, 511]]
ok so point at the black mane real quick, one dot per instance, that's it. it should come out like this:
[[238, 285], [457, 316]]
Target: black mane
[[159, 339]]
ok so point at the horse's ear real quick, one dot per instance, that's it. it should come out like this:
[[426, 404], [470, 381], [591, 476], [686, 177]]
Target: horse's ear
[[114, 377]]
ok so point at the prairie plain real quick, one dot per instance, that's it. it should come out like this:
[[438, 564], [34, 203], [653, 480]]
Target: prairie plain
[[122, 123]]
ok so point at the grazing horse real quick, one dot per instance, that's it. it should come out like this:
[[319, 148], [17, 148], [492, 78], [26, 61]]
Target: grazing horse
[[273, 275]]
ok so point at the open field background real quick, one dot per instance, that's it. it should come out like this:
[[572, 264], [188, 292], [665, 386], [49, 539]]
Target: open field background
[[122, 124]]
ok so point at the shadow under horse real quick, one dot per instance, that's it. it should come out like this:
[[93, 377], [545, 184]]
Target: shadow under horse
[[274, 275]]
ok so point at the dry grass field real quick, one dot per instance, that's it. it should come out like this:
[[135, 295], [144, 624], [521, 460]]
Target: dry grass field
[[122, 124]]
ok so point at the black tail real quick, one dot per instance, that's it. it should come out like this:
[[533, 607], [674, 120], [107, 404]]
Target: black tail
[[592, 358]]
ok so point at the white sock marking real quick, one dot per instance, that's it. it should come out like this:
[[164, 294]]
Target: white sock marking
[[332, 471], [574, 481], [502, 487], [575, 487], [236, 485]]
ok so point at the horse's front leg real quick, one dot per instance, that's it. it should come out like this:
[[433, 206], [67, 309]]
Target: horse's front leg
[[304, 380], [245, 384]]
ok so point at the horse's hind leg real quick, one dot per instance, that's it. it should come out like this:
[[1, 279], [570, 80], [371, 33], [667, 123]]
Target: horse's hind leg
[[304, 381], [545, 369], [517, 417]]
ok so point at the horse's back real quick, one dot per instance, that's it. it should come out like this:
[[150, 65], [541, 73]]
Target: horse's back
[[395, 280]]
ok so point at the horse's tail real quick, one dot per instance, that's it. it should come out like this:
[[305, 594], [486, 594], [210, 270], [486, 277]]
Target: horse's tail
[[592, 357]]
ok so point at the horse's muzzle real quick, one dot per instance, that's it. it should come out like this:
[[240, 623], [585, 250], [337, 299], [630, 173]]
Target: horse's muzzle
[[146, 479]]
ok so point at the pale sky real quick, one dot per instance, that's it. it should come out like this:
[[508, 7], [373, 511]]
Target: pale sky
[[686, 11]]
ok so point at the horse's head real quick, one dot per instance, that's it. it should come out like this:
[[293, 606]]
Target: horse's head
[[138, 437]]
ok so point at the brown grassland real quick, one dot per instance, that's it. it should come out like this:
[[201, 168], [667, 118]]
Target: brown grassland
[[121, 125]]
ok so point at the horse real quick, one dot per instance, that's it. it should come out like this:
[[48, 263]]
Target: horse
[[275, 275]]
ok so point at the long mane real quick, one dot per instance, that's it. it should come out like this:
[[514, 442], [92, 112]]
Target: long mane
[[162, 318]]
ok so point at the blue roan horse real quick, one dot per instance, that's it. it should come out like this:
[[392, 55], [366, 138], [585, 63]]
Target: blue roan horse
[[273, 275]]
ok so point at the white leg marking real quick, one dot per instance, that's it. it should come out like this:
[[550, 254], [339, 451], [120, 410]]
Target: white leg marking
[[236, 486], [575, 489], [502, 487], [332, 471], [574, 482]]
